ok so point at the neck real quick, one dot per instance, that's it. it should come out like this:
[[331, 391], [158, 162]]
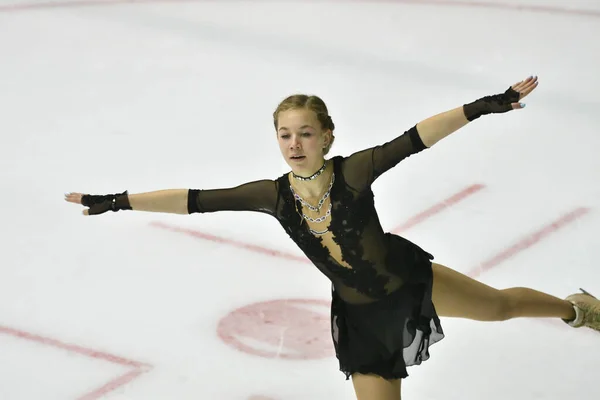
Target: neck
[[312, 187], [311, 176]]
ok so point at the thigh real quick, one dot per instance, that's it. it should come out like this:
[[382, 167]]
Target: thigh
[[457, 295], [373, 387]]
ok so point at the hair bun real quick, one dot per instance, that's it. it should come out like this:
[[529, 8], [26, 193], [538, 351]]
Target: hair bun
[[330, 124]]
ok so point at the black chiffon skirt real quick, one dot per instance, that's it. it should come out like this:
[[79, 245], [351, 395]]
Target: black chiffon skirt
[[389, 335]]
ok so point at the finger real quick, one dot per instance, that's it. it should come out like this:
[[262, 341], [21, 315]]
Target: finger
[[530, 82], [73, 197], [521, 83], [533, 85], [519, 87], [86, 212], [525, 83], [528, 89], [517, 106]]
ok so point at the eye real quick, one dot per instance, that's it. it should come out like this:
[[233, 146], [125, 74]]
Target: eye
[[306, 134], [285, 136]]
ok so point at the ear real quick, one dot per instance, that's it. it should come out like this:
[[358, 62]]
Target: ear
[[327, 138]]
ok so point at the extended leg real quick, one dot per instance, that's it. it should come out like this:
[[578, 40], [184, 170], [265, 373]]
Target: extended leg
[[373, 387], [457, 295]]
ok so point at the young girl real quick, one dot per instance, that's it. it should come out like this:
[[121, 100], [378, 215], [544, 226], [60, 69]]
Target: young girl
[[387, 294]]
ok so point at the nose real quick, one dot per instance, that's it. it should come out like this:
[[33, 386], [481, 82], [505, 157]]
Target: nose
[[294, 143]]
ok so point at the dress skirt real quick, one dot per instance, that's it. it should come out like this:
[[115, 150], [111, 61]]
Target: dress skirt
[[389, 335]]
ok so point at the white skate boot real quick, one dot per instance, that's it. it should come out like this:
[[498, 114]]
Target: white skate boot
[[587, 309]]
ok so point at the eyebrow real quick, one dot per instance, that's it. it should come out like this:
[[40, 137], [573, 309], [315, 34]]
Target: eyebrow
[[302, 127]]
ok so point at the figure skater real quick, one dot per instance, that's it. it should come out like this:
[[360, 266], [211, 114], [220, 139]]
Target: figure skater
[[387, 294]]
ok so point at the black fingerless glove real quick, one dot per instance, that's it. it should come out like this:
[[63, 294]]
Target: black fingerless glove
[[499, 103], [109, 202]]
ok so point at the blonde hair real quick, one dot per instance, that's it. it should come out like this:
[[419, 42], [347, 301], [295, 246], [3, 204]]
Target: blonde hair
[[312, 103]]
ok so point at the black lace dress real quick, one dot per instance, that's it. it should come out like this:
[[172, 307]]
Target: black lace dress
[[382, 315]]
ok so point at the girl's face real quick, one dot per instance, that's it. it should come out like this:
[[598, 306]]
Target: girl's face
[[301, 140]]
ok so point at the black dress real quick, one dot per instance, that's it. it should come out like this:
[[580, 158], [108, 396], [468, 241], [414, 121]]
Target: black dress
[[382, 315]]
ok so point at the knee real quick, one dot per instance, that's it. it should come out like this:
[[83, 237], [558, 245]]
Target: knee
[[507, 304]]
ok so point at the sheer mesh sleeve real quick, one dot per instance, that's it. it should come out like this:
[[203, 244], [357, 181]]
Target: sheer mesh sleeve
[[260, 196], [362, 168]]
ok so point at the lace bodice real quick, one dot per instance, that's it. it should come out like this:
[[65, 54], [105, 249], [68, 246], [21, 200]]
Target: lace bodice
[[363, 262]]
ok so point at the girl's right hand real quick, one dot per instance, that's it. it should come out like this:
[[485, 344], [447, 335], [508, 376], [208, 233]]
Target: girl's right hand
[[99, 204]]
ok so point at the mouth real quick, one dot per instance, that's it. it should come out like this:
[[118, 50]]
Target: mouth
[[298, 158]]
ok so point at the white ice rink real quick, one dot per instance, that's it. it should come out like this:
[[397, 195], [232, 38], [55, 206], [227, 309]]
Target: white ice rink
[[104, 96]]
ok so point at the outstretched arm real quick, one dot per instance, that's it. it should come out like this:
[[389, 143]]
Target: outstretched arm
[[260, 196], [362, 168], [434, 129], [172, 201]]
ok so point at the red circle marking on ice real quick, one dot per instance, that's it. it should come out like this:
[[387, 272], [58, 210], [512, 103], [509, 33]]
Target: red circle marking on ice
[[297, 329]]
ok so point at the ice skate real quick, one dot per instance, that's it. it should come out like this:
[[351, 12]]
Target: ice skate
[[587, 309]]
